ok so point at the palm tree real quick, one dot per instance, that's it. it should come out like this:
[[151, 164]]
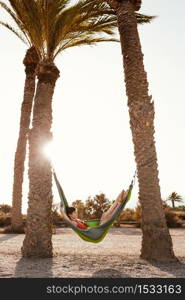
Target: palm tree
[[60, 26], [30, 62], [174, 197], [156, 242]]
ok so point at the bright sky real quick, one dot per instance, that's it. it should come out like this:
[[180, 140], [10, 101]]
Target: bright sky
[[93, 150]]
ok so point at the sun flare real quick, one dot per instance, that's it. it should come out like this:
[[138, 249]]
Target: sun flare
[[48, 150], [51, 152]]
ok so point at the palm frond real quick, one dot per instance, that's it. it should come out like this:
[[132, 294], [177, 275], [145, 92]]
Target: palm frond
[[84, 15], [10, 12], [15, 19], [144, 19], [175, 197], [85, 41], [18, 34], [28, 14], [52, 26], [49, 11], [31, 15], [88, 16]]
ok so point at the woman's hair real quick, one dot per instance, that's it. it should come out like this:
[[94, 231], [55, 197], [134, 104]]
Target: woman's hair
[[70, 210]]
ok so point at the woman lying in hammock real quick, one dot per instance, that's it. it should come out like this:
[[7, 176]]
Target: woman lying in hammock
[[72, 215]]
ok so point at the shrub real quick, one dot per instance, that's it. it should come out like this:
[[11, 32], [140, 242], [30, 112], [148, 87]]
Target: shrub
[[180, 214], [128, 215], [96, 206], [56, 218], [182, 217], [180, 207], [172, 220], [9, 229], [5, 219], [5, 208], [137, 214]]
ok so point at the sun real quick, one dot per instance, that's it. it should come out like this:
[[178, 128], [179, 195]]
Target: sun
[[48, 150], [52, 153]]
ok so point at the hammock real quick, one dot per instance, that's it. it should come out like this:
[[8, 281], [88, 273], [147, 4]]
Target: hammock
[[95, 234]]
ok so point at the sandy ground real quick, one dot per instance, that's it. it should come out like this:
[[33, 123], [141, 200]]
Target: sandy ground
[[116, 256]]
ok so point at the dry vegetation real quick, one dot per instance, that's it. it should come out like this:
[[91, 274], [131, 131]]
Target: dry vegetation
[[92, 209]]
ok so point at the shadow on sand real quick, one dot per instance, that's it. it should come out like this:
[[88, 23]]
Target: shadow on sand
[[173, 268], [126, 231], [34, 268], [8, 236], [109, 273]]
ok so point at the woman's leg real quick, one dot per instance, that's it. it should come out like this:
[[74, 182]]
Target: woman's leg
[[107, 215]]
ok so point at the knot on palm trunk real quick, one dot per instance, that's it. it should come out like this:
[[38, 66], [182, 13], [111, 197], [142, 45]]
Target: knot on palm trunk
[[137, 4], [47, 72], [31, 57], [31, 60]]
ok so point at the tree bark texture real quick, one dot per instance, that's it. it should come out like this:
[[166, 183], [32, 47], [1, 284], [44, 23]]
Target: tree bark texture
[[30, 62], [37, 241], [156, 241]]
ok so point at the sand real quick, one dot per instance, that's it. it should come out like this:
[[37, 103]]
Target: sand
[[116, 256]]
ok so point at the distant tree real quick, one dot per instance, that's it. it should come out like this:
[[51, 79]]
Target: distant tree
[[56, 217], [165, 205], [138, 213], [79, 205], [96, 206], [174, 198]]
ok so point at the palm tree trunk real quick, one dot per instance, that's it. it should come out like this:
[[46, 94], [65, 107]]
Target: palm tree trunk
[[37, 241], [173, 203], [30, 62], [156, 241]]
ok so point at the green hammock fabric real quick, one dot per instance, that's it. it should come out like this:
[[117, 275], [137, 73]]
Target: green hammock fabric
[[95, 234]]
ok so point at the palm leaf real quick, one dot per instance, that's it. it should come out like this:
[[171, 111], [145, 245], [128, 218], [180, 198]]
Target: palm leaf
[[84, 41], [143, 19], [81, 16], [52, 26], [28, 14], [16, 20], [18, 34]]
